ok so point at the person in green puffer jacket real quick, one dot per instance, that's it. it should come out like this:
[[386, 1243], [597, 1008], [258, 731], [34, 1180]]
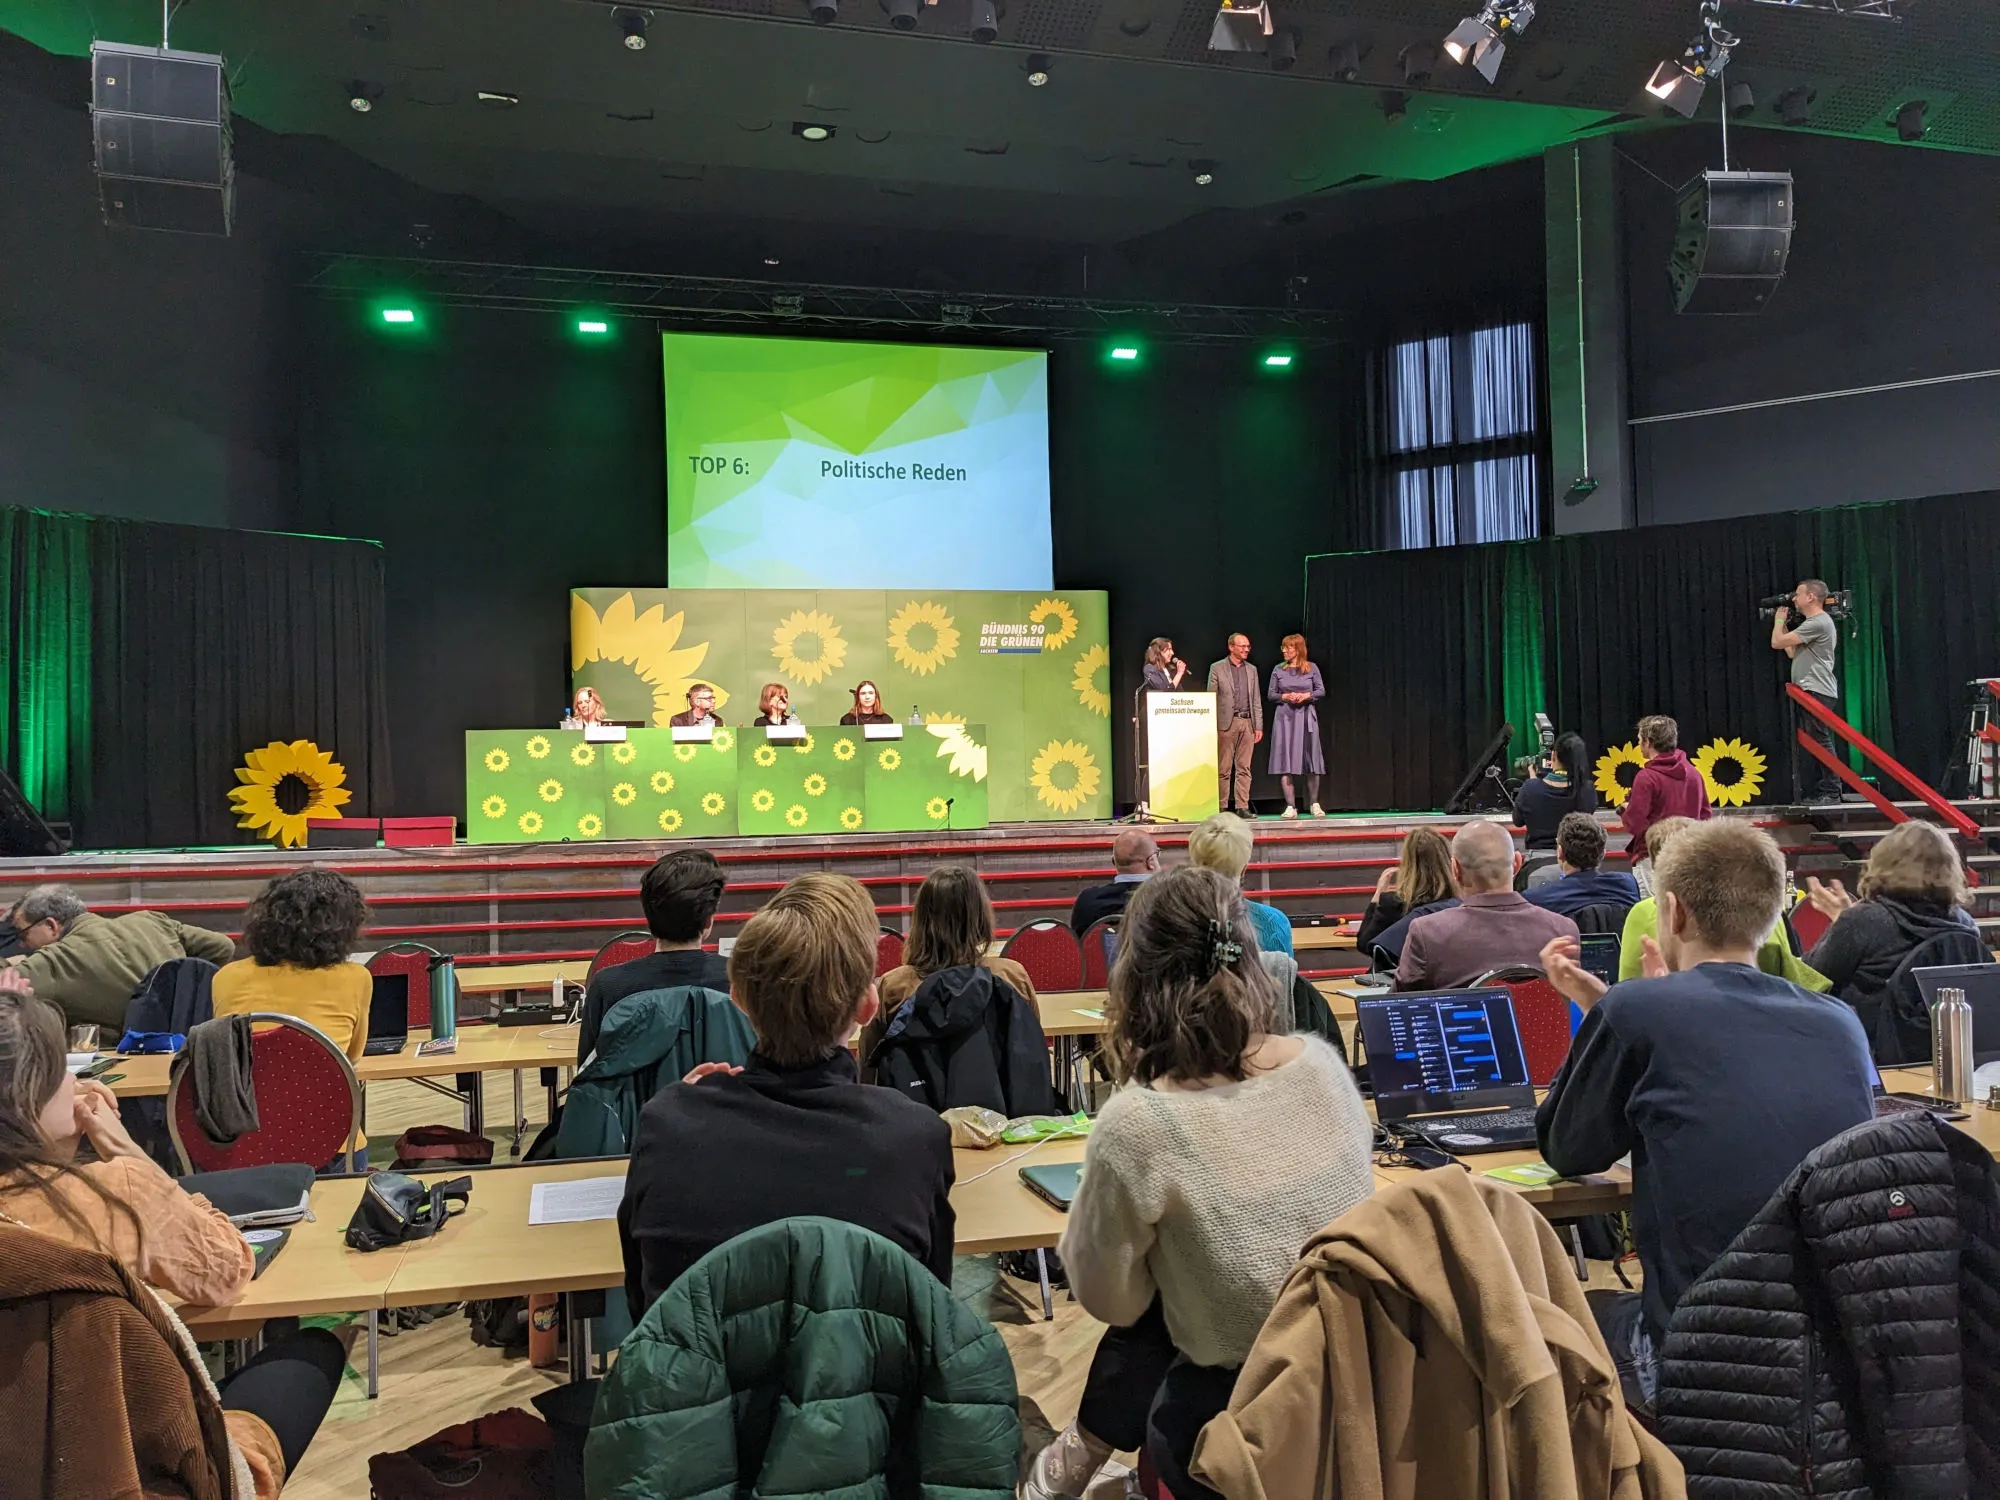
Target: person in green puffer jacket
[[807, 1358], [647, 1039]]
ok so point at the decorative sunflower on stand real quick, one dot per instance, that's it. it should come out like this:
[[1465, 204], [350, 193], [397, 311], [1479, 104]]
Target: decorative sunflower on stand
[[285, 785], [1733, 770], [1613, 786]]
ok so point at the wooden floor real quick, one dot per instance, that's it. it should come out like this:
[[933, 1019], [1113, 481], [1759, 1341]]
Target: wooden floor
[[434, 1376]]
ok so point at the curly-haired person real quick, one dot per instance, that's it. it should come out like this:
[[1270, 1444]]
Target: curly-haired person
[[299, 930]]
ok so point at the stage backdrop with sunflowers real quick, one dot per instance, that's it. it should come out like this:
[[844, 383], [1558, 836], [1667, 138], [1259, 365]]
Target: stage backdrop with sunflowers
[[1032, 670]]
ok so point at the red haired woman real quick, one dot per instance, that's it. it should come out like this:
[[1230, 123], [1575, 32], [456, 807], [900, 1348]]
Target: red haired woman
[[1296, 687]]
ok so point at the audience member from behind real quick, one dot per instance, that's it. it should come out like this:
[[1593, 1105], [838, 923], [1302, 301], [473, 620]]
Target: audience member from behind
[[88, 966], [1559, 786], [1228, 1147], [1585, 883], [1415, 886], [124, 1206], [1668, 785], [795, 1132], [1774, 956], [1492, 926], [299, 930], [1136, 858], [1715, 1077], [679, 896], [1912, 905], [1223, 844]]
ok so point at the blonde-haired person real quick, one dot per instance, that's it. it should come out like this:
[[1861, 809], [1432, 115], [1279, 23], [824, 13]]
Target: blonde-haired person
[[1228, 1146], [1419, 882], [795, 1132], [1642, 922], [1223, 844], [122, 1205], [1296, 687], [1913, 894]]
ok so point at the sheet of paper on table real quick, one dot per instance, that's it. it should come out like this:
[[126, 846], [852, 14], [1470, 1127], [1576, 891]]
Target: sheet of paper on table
[[575, 1202]]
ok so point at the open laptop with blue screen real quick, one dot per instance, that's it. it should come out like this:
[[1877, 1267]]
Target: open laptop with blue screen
[[1448, 1065]]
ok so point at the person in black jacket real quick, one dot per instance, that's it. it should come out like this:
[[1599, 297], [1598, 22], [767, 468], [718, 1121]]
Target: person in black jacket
[[1913, 895], [1844, 1344], [1715, 1077], [794, 1132], [679, 895], [1420, 881], [967, 1038], [1559, 786], [1136, 858]]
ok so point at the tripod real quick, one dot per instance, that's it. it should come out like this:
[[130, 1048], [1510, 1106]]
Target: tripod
[[1976, 762]]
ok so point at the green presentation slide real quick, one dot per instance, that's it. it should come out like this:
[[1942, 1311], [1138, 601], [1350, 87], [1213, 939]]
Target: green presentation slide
[[821, 463], [1034, 668]]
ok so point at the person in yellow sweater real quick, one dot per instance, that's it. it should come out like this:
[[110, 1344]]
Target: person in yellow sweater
[[120, 1204], [299, 930]]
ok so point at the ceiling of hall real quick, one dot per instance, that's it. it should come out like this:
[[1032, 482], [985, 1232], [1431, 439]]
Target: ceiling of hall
[[931, 128]]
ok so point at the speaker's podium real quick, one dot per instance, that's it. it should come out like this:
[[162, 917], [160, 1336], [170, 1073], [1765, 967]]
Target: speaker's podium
[[1178, 735]]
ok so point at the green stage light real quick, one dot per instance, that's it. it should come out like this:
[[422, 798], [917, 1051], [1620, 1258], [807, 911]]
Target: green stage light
[[1277, 361], [592, 325], [399, 315], [1125, 353]]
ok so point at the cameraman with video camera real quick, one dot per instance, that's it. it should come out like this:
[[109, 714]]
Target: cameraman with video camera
[[1811, 646]]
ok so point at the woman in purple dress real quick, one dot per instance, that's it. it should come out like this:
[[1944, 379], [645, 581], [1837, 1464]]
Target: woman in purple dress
[[1295, 687]]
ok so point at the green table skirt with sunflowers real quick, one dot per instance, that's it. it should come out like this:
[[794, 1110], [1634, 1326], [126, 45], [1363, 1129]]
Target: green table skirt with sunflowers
[[550, 785]]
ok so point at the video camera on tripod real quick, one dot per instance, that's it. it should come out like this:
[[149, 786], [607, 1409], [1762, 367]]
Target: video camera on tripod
[[1839, 604]]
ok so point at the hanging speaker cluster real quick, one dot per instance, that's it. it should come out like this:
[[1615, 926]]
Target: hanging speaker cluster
[[1730, 242], [160, 120]]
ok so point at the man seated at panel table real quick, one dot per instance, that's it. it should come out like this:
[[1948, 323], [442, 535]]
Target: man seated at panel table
[[679, 894], [89, 965], [795, 1132], [1585, 883], [1715, 1077], [1491, 927], [1136, 858]]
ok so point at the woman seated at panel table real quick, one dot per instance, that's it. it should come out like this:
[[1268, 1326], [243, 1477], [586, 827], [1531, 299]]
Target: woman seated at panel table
[[774, 706], [1229, 1145], [867, 706], [587, 708], [123, 1206]]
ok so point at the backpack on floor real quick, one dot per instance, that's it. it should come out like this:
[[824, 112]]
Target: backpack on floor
[[503, 1456]]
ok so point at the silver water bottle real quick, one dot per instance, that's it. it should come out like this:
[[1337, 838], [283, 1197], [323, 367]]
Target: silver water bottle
[[1951, 1046]]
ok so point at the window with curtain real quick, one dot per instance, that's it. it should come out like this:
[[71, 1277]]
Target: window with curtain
[[1461, 457]]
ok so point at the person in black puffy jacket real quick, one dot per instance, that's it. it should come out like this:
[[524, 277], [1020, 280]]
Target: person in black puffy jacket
[[1847, 1343]]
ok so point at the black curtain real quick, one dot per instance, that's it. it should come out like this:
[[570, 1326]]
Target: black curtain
[[207, 644], [1431, 650]]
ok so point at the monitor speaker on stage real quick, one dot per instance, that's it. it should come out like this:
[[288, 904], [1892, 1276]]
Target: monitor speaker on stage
[[161, 124], [23, 834], [1730, 243]]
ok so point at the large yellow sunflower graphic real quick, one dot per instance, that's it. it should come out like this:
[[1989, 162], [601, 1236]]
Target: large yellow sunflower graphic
[[803, 745], [765, 755], [722, 739], [1613, 787], [944, 718], [1060, 628], [763, 799], [550, 790], [538, 746], [927, 620], [624, 794], [936, 808], [493, 807], [687, 752], [530, 823], [1733, 770], [850, 818], [889, 758], [498, 760], [1088, 693], [662, 782], [624, 752], [713, 803], [815, 785], [670, 820], [968, 756], [582, 754], [645, 646], [796, 815], [590, 825], [843, 748], [284, 785], [808, 646], [1065, 775]]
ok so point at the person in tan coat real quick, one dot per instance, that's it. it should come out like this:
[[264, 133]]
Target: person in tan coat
[[1444, 1314]]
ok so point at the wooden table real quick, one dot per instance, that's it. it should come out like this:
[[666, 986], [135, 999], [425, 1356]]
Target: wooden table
[[496, 979], [1323, 937], [1981, 1123]]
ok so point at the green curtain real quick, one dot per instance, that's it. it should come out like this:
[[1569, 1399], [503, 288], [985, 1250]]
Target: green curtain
[[1522, 689], [1864, 554], [45, 613]]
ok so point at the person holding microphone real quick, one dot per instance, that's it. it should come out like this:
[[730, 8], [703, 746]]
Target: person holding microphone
[[1164, 670]]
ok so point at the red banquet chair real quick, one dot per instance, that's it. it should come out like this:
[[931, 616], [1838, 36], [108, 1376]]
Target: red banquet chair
[[413, 959], [1048, 951], [1809, 925], [308, 1102], [1099, 941], [621, 950], [888, 952], [1541, 1011]]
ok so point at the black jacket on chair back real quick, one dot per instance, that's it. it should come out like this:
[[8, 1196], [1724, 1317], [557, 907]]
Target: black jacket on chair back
[[967, 1037], [1847, 1344]]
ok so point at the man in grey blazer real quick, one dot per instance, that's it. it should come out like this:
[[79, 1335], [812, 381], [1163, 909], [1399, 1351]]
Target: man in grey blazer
[[1239, 723]]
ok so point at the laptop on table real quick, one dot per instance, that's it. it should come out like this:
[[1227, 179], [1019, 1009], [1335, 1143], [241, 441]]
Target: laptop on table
[[388, 1016], [1448, 1066], [1981, 983]]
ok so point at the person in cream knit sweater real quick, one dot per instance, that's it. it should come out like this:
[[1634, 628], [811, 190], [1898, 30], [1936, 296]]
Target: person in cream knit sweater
[[1229, 1147]]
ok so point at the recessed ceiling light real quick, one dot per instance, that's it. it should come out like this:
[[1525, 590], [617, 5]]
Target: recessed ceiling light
[[1037, 65], [361, 96], [498, 101], [807, 130], [1204, 171], [1203, 179], [770, 260], [632, 27]]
